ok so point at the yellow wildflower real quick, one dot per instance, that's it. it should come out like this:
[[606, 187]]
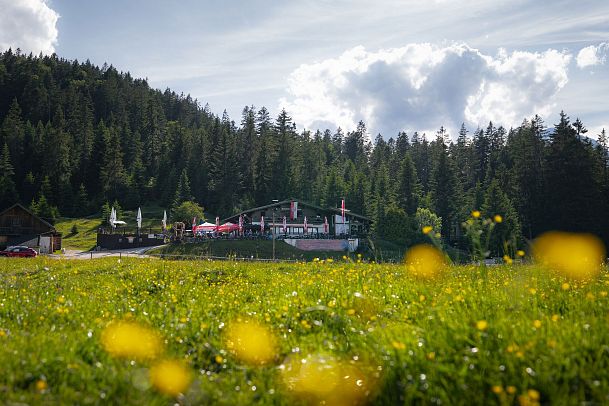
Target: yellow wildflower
[[427, 229], [41, 385], [475, 214], [537, 323], [131, 340], [520, 253], [481, 325], [497, 389], [498, 218], [251, 343], [424, 261], [577, 256], [170, 377]]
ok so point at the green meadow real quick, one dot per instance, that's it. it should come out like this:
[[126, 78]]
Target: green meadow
[[367, 332]]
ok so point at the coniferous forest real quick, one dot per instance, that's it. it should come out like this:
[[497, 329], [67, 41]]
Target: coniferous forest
[[74, 136]]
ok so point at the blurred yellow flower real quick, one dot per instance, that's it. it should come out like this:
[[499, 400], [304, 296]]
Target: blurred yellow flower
[[577, 256], [170, 377], [520, 253], [427, 229], [424, 261], [475, 214], [533, 394], [507, 259], [537, 323], [131, 340], [250, 342], [326, 380], [498, 219], [481, 325], [41, 385], [510, 389], [497, 389], [565, 286]]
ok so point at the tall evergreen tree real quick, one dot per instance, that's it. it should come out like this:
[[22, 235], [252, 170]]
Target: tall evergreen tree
[[8, 191]]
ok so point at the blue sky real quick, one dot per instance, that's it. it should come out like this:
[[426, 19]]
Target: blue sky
[[397, 65]]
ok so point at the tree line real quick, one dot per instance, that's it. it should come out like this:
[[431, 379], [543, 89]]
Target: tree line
[[75, 136]]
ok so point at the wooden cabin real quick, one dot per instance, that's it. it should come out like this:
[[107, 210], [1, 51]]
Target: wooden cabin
[[19, 226]]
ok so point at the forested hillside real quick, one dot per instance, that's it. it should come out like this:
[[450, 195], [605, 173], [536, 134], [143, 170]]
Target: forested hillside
[[74, 136]]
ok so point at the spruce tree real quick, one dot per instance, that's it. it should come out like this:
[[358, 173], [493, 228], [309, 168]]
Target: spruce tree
[[8, 192]]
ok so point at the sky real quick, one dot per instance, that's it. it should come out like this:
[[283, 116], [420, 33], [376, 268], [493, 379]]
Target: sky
[[397, 65]]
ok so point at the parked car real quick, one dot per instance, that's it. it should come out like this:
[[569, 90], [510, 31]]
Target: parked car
[[18, 251]]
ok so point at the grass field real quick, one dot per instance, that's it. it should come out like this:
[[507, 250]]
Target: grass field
[[341, 332]]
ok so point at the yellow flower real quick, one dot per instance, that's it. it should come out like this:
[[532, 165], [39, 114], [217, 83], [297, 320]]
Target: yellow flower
[[497, 389], [565, 286], [475, 214], [537, 323], [577, 256], [322, 379], [555, 317], [427, 229], [398, 345], [520, 253], [131, 340], [41, 385], [170, 377], [510, 389], [481, 325], [533, 394], [507, 259], [250, 342], [498, 219], [424, 261]]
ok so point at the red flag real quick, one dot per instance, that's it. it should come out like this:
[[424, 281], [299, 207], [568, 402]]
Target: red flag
[[306, 225], [194, 224], [342, 209], [293, 210]]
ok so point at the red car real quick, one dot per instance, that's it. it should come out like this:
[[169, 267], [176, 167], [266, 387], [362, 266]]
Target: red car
[[18, 252]]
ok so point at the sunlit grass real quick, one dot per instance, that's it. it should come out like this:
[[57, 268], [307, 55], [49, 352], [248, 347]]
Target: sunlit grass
[[339, 332]]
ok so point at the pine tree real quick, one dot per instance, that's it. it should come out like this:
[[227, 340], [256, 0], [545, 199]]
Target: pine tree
[[505, 235], [183, 193], [8, 192], [409, 189]]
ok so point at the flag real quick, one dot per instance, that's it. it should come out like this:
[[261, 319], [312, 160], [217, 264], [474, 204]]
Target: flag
[[306, 225], [194, 224], [139, 217], [342, 210], [285, 225], [262, 224], [217, 224], [241, 223], [293, 210], [326, 226], [112, 217], [164, 221]]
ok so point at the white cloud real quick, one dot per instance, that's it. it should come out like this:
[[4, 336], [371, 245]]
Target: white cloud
[[422, 86], [28, 24], [592, 55]]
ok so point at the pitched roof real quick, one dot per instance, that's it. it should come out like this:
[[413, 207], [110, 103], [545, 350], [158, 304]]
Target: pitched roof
[[275, 204], [19, 205]]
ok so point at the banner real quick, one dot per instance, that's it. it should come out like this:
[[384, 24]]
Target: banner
[[293, 210]]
